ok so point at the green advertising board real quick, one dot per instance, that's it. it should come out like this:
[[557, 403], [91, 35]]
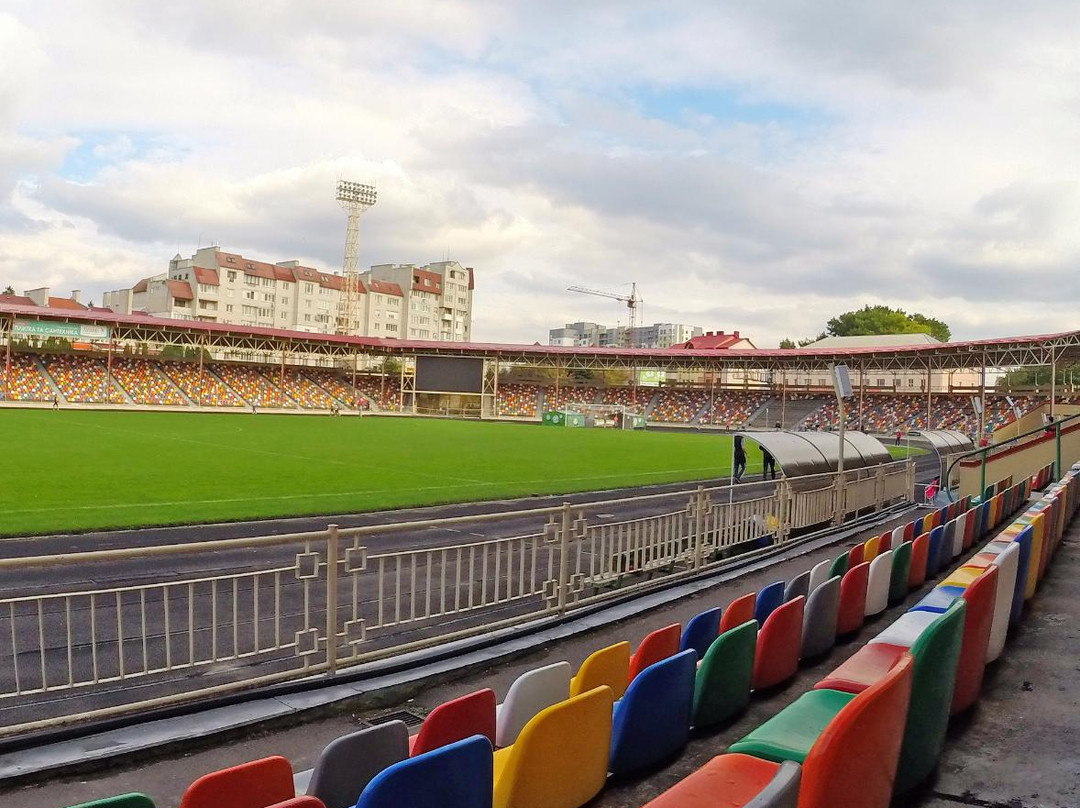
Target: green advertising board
[[560, 418], [650, 377], [80, 331]]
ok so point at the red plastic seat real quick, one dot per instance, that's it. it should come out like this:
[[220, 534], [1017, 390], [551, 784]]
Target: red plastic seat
[[456, 720], [909, 531], [866, 667], [981, 596], [855, 555], [919, 550], [657, 646], [726, 781], [852, 610], [257, 784], [886, 542], [776, 658], [971, 524], [300, 802], [740, 610]]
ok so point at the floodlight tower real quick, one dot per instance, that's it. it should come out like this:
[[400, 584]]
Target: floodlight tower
[[354, 199]]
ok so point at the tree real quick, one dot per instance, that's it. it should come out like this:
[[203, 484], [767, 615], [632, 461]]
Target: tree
[[786, 342], [9, 290], [885, 320]]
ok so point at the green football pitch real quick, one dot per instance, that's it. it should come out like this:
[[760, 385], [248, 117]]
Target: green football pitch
[[82, 470]]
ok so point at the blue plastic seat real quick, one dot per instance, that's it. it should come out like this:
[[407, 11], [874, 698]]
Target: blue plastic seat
[[652, 721], [1025, 540], [458, 775], [934, 556], [938, 599], [700, 632], [768, 599]]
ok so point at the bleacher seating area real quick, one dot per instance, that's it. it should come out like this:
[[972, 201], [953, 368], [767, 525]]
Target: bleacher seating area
[[625, 396], [872, 729], [732, 410], [569, 395], [25, 381], [81, 379], [145, 383], [384, 395], [253, 386], [519, 400], [678, 406], [303, 391], [204, 389], [340, 389]]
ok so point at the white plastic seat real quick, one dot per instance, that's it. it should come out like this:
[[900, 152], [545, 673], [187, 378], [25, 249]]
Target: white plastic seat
[[958, 535], [906, 629], [530, 693], [898, 536], [1007, 562], [819, 575], [877, 584]]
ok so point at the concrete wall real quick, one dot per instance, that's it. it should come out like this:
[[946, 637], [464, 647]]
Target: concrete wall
[[1021, 461]]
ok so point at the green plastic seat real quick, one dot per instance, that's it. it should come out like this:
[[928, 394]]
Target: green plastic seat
[[839, 567], [937, 653], [901, 570], [121, 801], [722, 688], [789, 734]]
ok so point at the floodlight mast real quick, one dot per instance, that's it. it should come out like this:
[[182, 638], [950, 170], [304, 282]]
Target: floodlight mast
[[355, 198]]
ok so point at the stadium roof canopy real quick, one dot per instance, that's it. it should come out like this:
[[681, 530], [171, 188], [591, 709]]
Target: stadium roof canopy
[[995, 353], [802, 453], [945, 440]]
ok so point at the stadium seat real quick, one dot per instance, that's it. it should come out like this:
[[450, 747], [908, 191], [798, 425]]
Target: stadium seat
[[819, 574], [779, 643], [898, 536], [657, 645], [767, 600], [877, 584], [963, 576], [917, 568], [938, 599], [530, 693], [1040, 546], [652, 721], [867, 666], [347, 764], [560, 759], [1007, 562], [870, 548], [855, 555], [799, 585], [735, 781], [980, 598], [906, 629], [900, 573], [971, 523], [300, 802], [1023, 566], [738, 612], [885, 541], [722, 686], [456, 720], [852, 609], [700, 631], [909, 531], [133, 800], [935, 552], [839, 566], [608, 666], [921, 526], [249, 785], [458, 775], [847, 744], [954, 538], [819, 619]]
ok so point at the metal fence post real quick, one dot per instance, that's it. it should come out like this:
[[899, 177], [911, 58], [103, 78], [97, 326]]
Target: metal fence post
[[332, 541], [699, 525], [838, 493], [1057, 440], [879, 488], [564, 556], [783, 510]]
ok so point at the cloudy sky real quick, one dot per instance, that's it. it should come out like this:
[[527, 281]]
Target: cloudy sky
[[755, 166]]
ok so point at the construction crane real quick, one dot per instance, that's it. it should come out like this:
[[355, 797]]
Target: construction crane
[[630, 300]]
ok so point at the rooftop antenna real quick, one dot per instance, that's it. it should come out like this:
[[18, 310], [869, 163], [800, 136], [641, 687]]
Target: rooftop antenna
[[355, 199]]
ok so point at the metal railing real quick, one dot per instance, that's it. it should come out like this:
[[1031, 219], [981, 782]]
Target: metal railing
[[98, 634]]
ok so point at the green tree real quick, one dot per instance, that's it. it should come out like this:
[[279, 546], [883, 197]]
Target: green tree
[[8, 290], [787, 342], [885, 320]]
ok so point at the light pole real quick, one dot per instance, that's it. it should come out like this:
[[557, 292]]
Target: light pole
[[842, 387]]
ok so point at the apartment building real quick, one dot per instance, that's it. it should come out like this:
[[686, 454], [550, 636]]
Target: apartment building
[[397, 300], [657, 335]]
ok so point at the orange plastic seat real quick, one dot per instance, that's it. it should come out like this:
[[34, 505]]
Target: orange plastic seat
[[920, 549], [740, 610], [852, 610], [981, 597], [726, 781], [657, 646], [779, 643], [250, 785], [866, 667]]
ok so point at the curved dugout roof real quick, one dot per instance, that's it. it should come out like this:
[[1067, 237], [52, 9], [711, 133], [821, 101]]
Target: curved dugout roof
[[802, 453], [948, 440]]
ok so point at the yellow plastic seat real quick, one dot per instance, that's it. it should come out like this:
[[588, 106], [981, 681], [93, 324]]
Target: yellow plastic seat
[[962, 577], [560, 759], [609, 666], [870, 548]]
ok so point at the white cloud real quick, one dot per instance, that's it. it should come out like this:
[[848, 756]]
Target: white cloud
[[790, 161]]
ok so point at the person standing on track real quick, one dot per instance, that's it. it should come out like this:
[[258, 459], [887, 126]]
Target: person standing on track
[[739, 469], [768, 464]]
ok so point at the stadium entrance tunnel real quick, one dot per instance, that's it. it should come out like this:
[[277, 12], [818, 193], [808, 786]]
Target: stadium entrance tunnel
[[800, 454]]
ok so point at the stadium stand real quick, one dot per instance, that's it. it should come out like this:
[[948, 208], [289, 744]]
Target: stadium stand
[[625, 396], [338, 388], [81, 379], [871, 729], [732, 410], [302, 390], [255, 388], [568, 395], [145, 383], [26, 381], [519, 400], [382, 391], [205, 389], [678, 406]]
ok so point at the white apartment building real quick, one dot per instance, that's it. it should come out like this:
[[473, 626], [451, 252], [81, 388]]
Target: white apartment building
[[397, 300], [657, 335]]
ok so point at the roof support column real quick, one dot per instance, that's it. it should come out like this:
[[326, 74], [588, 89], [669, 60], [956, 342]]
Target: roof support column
[[929, 396], [862, 394], [982, 399], [1053, 383], [7, 359]]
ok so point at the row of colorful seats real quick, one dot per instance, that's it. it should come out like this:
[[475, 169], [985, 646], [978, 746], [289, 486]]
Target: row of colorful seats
[[24, 381], [302, 390], [340, 389], [145, 384], [678, 406], [569, 395], [202, 387], [875, 727], [520, 400], [626, 396], [382, 390], [82, 379], [732, 410], [253, 386]]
